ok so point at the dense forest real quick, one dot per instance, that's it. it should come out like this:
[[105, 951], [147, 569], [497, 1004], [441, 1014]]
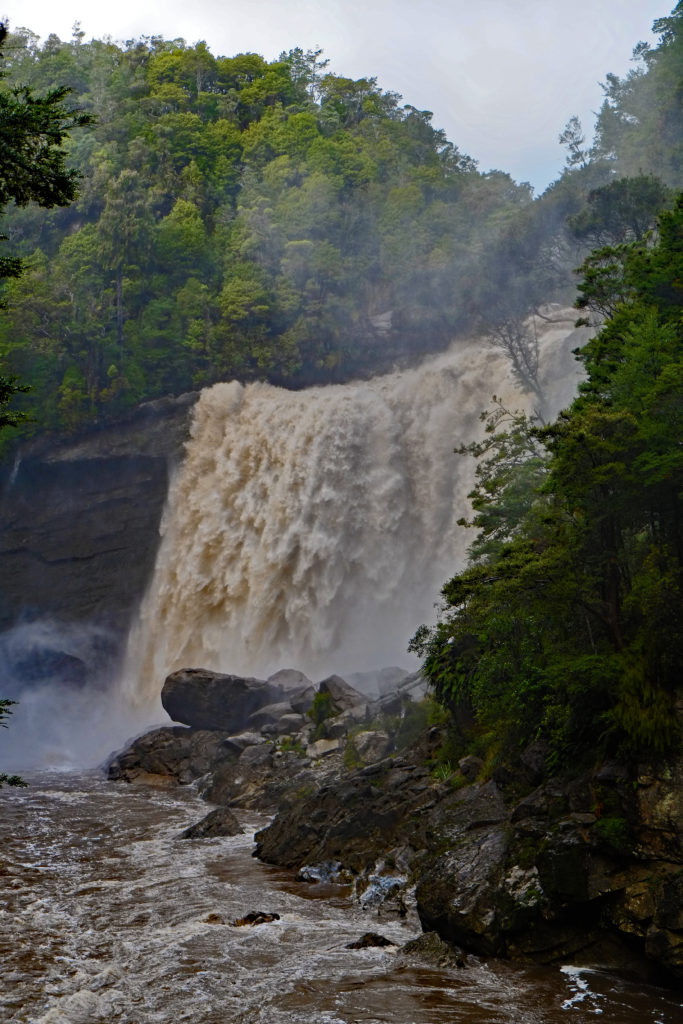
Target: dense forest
[[253, 219], [566, 627], [568, 623]]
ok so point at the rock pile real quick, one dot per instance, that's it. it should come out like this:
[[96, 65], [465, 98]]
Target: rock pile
[[511, 864]]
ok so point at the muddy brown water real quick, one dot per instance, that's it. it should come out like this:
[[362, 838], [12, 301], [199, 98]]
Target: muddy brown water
[[107, 916]]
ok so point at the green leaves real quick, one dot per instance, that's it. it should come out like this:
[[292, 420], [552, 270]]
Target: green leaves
[[569, 623]]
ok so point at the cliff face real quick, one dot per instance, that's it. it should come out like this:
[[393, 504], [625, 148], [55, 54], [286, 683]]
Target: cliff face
[[79, 520]]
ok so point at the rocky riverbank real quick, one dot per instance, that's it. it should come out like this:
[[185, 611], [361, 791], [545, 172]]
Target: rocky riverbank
[[510, 863]]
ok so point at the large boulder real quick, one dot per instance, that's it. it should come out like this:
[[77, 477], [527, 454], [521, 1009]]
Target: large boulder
[[171, 754], [211, 700], [343, 697]]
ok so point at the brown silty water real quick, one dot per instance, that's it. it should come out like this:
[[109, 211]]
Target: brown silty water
[[108, 916]]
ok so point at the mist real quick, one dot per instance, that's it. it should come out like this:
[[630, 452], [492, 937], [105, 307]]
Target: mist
[[69, 711]]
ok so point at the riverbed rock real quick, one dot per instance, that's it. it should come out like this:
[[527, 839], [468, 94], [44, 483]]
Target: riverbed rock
[[219, 822], [430, 948], [370, 940], [582, 867], [172, 753], [320, 748], [212, 700], [353, 819], [255, 917]]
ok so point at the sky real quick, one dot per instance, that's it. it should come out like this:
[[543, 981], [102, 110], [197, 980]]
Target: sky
[[502, 77]]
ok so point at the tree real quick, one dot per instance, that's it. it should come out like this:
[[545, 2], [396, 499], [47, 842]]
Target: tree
[[9, 387], [8, 780], [32, 169], [569, 625], [573, 138], [32, 155]]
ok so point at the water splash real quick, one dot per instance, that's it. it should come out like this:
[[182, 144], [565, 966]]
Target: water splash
[[315, 528]]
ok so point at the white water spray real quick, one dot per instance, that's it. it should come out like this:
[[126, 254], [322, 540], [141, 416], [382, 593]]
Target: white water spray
[[316, 528]]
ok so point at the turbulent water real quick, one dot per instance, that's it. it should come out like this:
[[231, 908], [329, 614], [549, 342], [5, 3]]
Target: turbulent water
[[107, 916], [316, 528]]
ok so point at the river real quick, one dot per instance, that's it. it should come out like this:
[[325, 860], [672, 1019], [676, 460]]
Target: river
[[108, 916]]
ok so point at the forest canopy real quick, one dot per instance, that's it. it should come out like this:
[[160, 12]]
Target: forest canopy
[[258, 219]]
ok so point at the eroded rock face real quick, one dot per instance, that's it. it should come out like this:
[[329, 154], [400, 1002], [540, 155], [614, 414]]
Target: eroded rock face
[[171, 753], [355, 819], [79, 519], [212, 700]]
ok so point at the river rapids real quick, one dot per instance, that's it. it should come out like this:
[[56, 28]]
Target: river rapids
[[108, 916]]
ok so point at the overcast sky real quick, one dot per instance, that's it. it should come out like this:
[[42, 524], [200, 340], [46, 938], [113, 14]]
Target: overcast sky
[[501, 76]]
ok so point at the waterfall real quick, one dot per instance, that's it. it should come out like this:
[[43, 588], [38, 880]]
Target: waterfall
[[315, 528]]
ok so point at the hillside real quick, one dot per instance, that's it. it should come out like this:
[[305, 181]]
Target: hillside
[[269, 220]]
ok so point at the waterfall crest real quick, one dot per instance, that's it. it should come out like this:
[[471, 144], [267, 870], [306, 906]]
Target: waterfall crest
[[315, 528]]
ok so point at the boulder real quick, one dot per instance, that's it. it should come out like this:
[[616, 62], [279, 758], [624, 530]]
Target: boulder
[[322, 747], [242, 740], [371, 745], [342, 694], [470, 767], [220, 822], [270, 715], [369, 940], [253, 918], [301, 699], [354, 819], [172, 753], [431, 948], [291, 724], [296, 688], [289, 679], [211, 700]]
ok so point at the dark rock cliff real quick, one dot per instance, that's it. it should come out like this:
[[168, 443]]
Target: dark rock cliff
[[79, 519]]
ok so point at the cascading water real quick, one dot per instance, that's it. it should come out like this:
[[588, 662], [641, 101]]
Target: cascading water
[[315, 528]]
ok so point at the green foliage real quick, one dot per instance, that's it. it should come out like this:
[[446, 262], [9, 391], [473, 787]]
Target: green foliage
[[270, 220], [292, 745], [568, 624], [320, 712], [5, 710], [9, 387], [237, 217], [351, 759], [621, 211], [33, 130], [614, 833]]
